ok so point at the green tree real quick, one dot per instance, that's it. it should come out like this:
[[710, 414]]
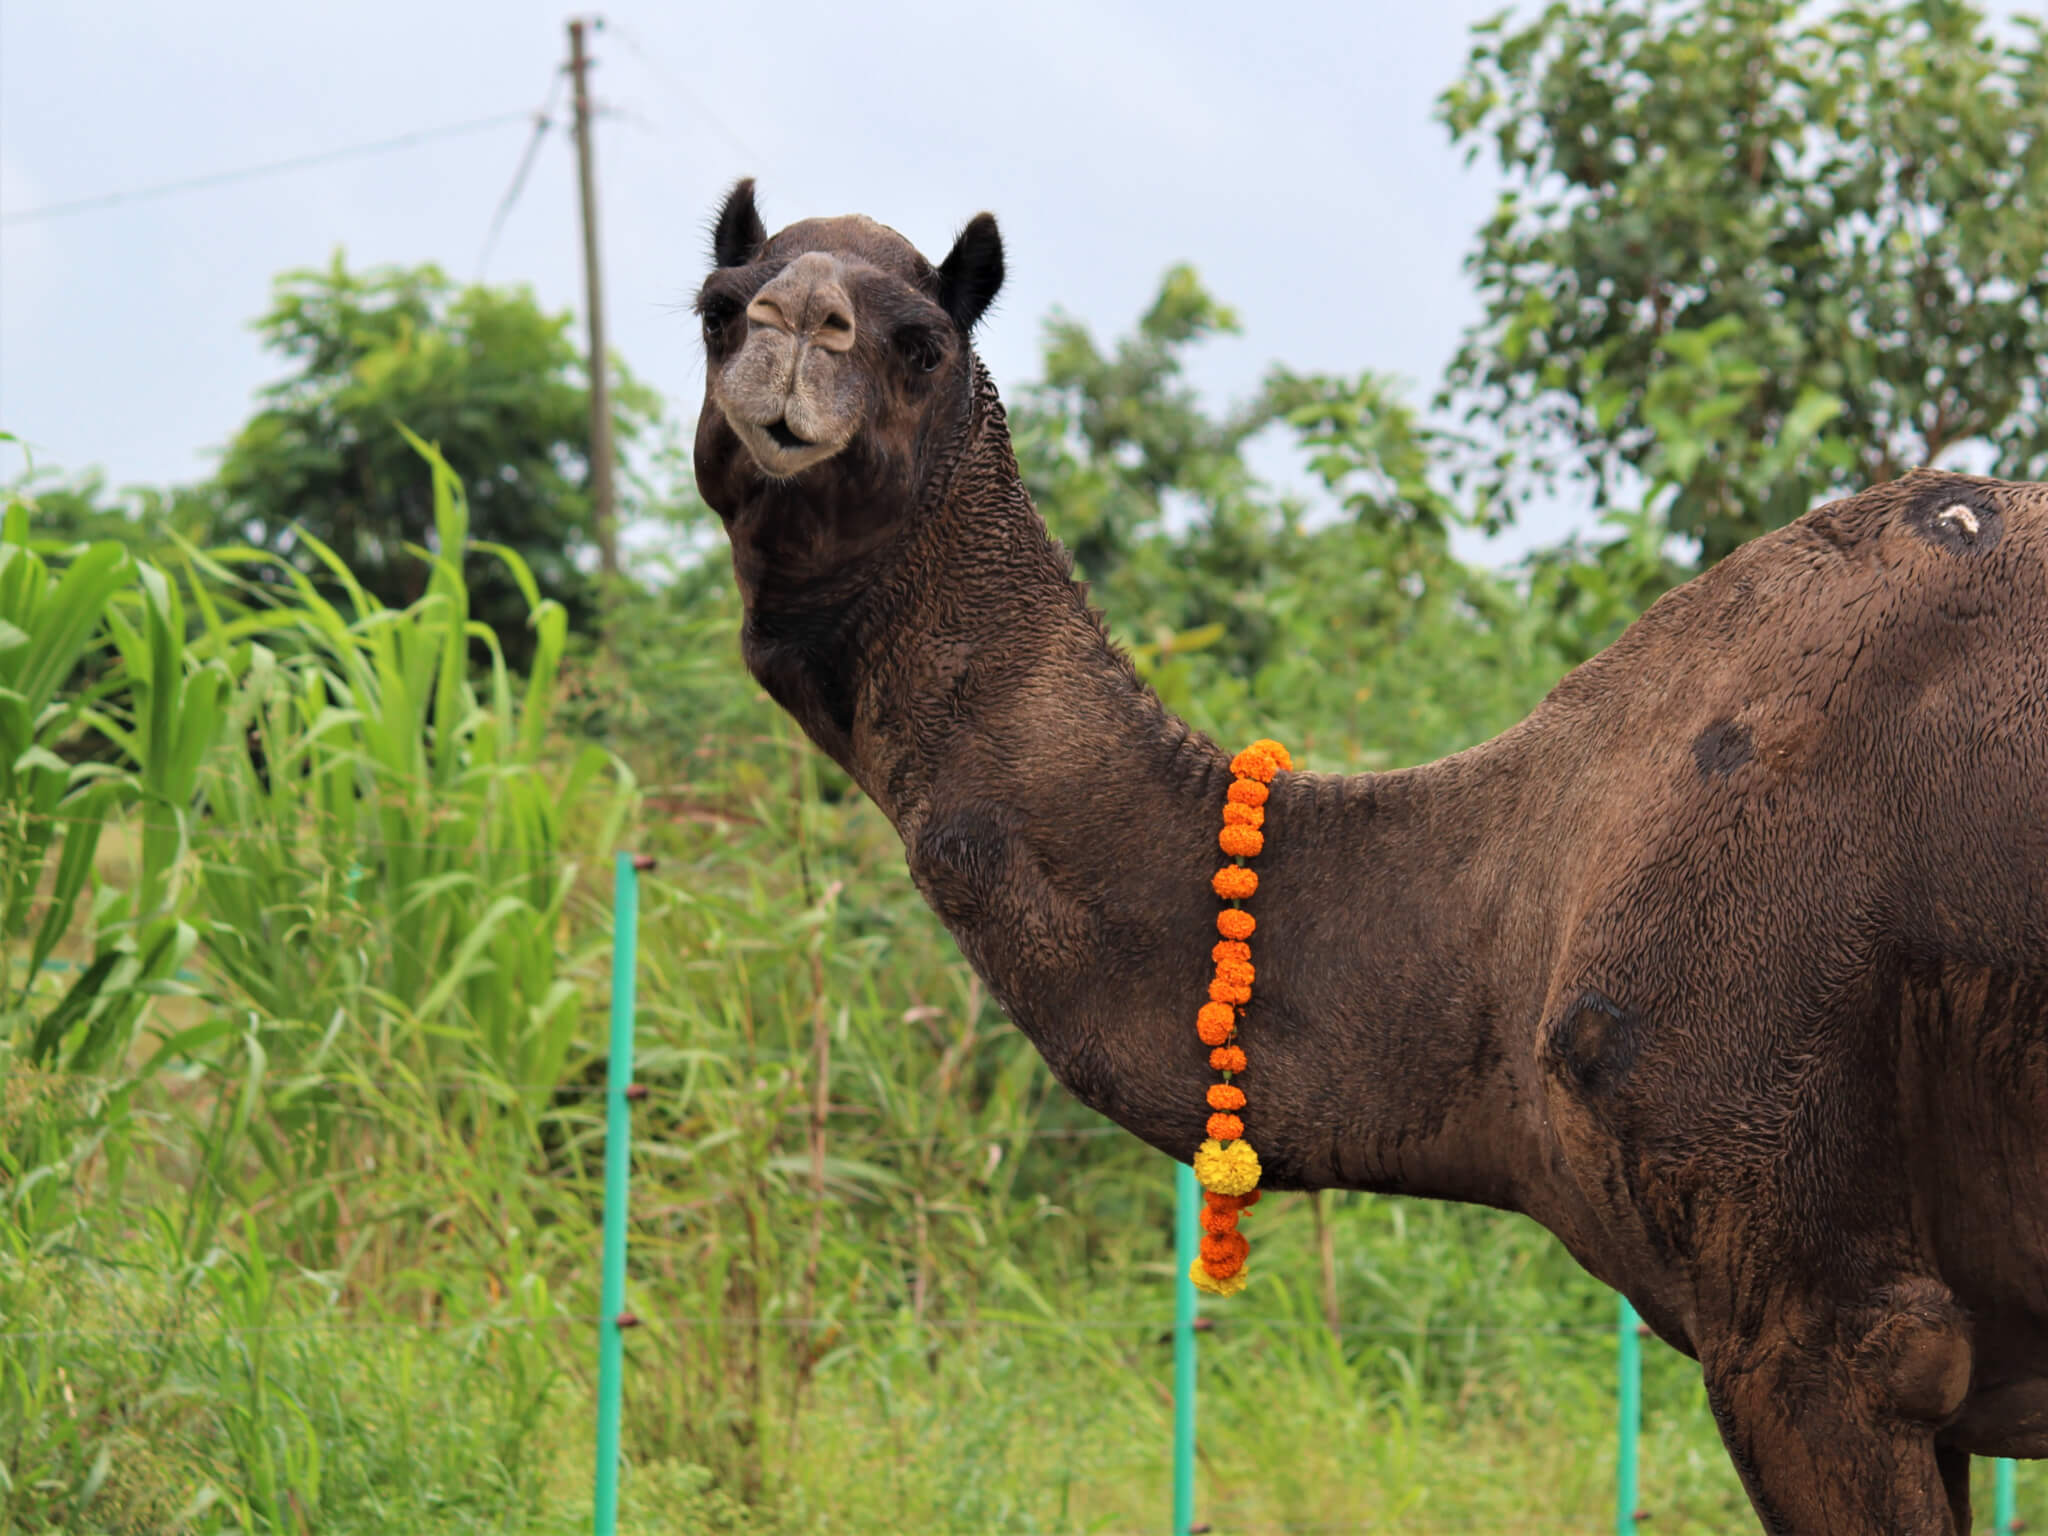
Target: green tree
[[1852, 207], [486, 375]]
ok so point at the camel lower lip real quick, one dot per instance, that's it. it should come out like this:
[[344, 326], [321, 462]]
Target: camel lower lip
[[779, 432]]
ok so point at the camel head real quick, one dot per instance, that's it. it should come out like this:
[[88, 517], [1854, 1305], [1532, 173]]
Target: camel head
[[837, 359]]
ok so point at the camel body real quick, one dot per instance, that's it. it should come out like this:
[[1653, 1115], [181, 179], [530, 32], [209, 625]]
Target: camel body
[[1726, 965]]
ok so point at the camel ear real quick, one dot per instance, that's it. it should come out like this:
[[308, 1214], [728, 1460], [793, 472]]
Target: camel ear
[[971, 275], [738, 236]]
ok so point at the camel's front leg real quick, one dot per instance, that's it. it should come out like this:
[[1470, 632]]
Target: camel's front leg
[[1830, 1416]]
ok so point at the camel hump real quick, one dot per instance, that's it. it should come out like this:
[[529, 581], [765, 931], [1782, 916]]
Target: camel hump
[[1964, 516]]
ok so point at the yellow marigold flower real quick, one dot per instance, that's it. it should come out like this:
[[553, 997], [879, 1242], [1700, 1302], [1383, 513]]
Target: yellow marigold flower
[[1244, 816], [1204, 1281], [1240, 842], [1227, 1058], [1224, 1096], [1233, 882], [1246, 792], [1233, 924], [1231, 1170]]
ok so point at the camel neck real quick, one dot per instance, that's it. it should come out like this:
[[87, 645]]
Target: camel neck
[[1063, 826]]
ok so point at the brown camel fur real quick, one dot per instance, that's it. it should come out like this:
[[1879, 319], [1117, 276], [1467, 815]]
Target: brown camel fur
[[1729, 965]]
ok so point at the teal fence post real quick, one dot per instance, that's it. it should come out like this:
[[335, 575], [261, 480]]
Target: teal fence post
[[2005, 1497], [1629, 1361], [613, 1319], [1186, 1235]]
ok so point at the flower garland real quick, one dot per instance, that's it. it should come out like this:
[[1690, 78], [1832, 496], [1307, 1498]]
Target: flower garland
[[1226, 1164]]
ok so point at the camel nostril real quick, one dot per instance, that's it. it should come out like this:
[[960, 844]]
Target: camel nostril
[[834, 330], [784, 438], [765, 311]]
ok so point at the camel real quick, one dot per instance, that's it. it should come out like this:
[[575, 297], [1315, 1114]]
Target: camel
[[1728, 965]]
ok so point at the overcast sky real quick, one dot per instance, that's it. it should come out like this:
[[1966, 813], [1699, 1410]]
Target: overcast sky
[[1287, 151]]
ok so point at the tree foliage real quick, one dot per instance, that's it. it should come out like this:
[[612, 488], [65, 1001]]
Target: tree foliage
[[1852, 207], [485, 374]]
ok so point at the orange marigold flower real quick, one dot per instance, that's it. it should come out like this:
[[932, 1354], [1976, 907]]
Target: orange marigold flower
[[1233, 882], [1225, 1127], [1233, 924], [1246, 792], [1231, 949], [1255, 763], [1240, 842], [1227, 1058], [1225, 1272], [1239, 973], [1275, 751], [1243, 1202], [1224, 1096], [1224, 1248], [1217, 1221], [1207, 1027], [1228, 992], [1217, 1013], [1243, 816]]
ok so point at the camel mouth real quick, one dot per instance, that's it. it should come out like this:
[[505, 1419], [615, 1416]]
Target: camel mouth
[[779, 433]]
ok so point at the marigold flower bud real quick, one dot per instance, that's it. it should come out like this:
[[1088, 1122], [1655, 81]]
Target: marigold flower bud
[[1238, 973], [1233, 882], [1254, 763], [1234, 924], [1240, 842], [1275, 751]]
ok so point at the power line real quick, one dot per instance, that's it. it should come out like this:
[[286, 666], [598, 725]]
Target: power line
[[543, 120], [270, 168], [674, 83]]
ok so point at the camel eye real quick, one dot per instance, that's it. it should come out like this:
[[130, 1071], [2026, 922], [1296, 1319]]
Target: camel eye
[[717, 312], [921, 349]]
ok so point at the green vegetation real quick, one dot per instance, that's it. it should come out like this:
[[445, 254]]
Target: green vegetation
[[310, 789], [1853, 202]]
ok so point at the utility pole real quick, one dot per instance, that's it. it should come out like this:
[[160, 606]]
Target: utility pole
[[601, 501]]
